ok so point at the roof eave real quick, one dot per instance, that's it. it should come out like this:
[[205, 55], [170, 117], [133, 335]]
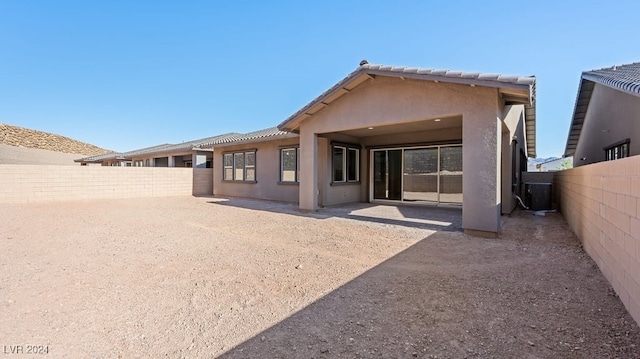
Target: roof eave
[[530, 129], [344, 86], [575, 129], [354, 79], [252, 140]]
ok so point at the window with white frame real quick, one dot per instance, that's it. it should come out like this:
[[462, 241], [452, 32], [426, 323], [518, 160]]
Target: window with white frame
[[239, 166], [346, 164], [290, 164]]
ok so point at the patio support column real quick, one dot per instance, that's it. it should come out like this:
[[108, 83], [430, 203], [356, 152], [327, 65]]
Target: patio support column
[[481, 146], [308, 171], [171, 161]]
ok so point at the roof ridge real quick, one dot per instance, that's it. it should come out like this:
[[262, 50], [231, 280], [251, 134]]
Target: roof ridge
[[436, 71], [613, 67]]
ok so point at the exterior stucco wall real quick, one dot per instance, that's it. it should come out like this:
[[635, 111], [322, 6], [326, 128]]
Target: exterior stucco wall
[[601, 203], [386, 101], [481, 157], [612, 116], [202, 181], [513, 126], [332, 193], [267, 184]]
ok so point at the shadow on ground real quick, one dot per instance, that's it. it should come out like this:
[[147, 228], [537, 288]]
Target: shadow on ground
[[435, 218], [455, 296]]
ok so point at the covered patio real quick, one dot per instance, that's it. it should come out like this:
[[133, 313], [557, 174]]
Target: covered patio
[[388, 133]]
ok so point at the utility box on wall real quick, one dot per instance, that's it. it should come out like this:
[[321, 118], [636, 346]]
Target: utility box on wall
[[538, 196]]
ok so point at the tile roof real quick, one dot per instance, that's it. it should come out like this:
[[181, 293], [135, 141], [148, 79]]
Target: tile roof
[[184, 146], [98, 158], [527, 83], [256, 136], [451, 74], [624, 78], [163, 148], [146, 149]]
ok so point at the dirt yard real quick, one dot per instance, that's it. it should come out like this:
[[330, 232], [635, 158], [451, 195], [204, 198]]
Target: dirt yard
[[204, 277]]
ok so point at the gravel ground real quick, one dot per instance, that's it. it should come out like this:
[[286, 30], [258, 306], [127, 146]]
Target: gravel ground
[[203, 277]]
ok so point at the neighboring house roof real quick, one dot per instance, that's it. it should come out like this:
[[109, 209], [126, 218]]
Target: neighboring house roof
[[146, 150], [251, 137], [367, 71], [180, 147], [165, 148], [624, 78], [203, 143], [99, 158]]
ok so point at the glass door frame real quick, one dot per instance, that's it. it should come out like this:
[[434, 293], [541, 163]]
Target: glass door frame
[[401, 200]]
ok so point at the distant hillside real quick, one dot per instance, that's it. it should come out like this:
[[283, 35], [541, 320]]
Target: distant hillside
[[536, 161], [23, 137]]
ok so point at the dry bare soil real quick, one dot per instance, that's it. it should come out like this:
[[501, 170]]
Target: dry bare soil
[[204, 277]]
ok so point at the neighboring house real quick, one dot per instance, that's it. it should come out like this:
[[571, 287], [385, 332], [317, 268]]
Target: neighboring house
[[186, 154], [606, 118], [552, 164], [394, 135]]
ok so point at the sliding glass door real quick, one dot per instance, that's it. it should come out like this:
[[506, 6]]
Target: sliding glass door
[[450, 174], [387, 174], [417, 174]]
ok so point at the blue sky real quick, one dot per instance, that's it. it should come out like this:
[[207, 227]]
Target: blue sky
[[129, 74]]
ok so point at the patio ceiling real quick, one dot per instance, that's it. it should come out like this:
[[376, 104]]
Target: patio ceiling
[[409, 127]]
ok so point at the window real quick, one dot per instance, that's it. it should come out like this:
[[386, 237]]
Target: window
[[239, 166], [290, 164], [617, 150], [353, 165], [346, 164]]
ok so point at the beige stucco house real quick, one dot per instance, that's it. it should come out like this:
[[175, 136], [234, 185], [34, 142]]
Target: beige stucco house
[[394, 135], [605, 124]]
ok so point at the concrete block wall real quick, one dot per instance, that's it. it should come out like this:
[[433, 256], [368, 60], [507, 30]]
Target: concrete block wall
[[41, 183], [601, 203], [202, 181]]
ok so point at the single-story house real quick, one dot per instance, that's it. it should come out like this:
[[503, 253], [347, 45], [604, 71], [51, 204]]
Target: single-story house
[[605, 124], [394, 135], [186, 154]]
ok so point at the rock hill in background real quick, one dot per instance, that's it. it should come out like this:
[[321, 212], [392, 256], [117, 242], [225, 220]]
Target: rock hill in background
[[23, 137]]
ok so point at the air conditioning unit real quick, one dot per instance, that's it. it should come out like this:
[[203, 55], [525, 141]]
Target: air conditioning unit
[[538, 196]]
